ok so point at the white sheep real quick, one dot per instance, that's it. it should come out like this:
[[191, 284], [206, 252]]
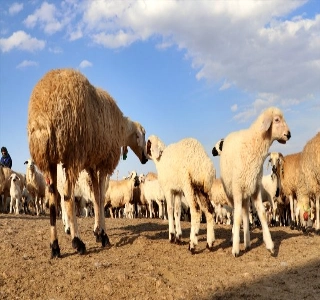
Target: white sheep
[[241, 166], [151, 191], [120, 192], [74, 123], [184, 168], [5, 183], [26, 201], [36, 185], [309, 179], [271, 184], [15, 194], [220, 201]]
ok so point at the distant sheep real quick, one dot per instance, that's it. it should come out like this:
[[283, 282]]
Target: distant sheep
[[271, 184], [241, 166], [289, 184], [36, 185], [15, 194], [72, 122], [309, 180], [184, 168], [5, 183], [120, 192]]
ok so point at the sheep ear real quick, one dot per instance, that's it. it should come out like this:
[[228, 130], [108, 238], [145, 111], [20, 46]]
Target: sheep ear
[[266, 122]]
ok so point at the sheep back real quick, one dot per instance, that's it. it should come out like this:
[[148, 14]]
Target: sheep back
[[185, 162], [69, 121], [310, 166]]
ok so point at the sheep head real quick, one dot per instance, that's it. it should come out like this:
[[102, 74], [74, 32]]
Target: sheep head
[[14, 177], [273, 123], [136, 141], [217, 149], [155, 147]]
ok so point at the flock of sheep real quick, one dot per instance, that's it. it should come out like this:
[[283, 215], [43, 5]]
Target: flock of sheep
[[76, 156]]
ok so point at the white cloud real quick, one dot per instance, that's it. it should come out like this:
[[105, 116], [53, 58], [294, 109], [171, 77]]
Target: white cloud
[[47, 17], [15, 8], [234, 107], [27, 63], [225, 86], [85, 64], [55, 50], [21, 41]]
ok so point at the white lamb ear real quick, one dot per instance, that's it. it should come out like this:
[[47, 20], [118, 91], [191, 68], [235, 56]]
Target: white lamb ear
[[156, 151], [266, 122]]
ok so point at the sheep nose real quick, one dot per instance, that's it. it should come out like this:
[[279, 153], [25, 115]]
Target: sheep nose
[[288, 135]]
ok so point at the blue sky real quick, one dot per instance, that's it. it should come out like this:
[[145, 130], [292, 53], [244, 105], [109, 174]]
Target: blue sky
[[181, 68]]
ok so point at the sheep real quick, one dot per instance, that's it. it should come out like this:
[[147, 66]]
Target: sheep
[[309, 179], [289, 177], [219, 199], [15, 194], [5, 183], [74, 123], [184, 168], [120, 192], [241, 166], [26, 200], [150, 192], [271, 184], [36, 185]]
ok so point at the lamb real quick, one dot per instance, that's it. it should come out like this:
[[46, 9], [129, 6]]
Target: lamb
[[241, 166], [26, 201], [271, 184], [150, 190], [15, 194], [184, 168], [309, 180], [5, 183], [36, 185], [120, 192], [74, 123], [220, 201]]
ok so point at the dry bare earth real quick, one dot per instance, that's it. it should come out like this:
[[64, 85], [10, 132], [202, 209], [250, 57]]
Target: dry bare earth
[[142, 264]]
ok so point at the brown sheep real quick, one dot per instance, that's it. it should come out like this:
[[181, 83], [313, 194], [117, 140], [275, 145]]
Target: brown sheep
[[309, 180], [289, 183], [72, 122]]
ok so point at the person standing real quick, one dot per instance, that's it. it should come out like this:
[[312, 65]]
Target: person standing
[[5, 158]]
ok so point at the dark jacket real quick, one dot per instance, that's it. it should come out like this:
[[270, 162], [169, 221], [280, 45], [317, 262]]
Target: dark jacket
[[6, 160]]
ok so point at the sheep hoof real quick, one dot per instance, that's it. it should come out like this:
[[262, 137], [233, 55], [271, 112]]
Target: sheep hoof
[[55, 249], [192, 250], [210, 248], [79, 245], [68, 231], [178, 242], [172, 238], [317, 232], [104, 239]]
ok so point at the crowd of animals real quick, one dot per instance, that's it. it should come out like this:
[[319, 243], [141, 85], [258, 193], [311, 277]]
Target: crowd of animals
[[63, 182]]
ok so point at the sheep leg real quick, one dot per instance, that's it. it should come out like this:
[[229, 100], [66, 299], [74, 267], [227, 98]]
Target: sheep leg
[[317, 214], [65, 219], [177, 218], [236, 226], [245, 220], [263, 220], [53, 208], [69, 201], [208, 210], [170, 200], [195, 213], [99, 188]]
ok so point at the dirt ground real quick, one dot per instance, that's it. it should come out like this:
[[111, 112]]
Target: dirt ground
[[142, 264]]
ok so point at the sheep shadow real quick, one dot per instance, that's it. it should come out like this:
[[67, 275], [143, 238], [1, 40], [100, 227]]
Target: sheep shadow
[[256, 237]]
